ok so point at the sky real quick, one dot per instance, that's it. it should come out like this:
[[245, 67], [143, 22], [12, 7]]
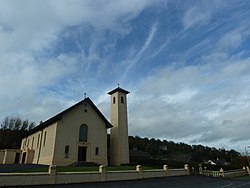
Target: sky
[[186, 64]]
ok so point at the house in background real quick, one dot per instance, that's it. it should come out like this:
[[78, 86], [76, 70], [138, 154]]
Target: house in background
[[218, 162], [79, 134]]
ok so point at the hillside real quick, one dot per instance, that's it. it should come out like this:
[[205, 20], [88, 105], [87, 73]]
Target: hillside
[[180, 151]]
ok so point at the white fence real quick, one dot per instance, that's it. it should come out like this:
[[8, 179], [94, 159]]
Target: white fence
[[54, 177], [211, 173], [225, 174]]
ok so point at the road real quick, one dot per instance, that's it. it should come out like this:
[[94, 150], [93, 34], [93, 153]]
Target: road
[[171, 182]]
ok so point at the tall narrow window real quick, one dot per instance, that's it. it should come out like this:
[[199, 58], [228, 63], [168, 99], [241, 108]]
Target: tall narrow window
[[66, 151], [24, 143], [83, 134], [32, 142], [96, 151], [113, 100], [122, 100], [38, 140], [44, 140]]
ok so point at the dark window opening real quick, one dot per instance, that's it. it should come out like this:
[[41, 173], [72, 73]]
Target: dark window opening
[[66, 151], [113, 100], [122, 100], [96, 151], [83, 134]]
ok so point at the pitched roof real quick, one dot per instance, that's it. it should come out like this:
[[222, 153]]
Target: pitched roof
[[118, 89], [59, 117]]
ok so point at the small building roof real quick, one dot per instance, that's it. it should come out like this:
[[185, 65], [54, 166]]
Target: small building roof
[[118, 89], [59, 117]]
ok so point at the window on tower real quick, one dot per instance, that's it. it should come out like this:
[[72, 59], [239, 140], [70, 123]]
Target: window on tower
[[66, 152], [96, 151], [122, 100], [113, 100]]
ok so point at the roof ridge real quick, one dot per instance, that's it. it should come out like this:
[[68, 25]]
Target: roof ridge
[[58, 117]]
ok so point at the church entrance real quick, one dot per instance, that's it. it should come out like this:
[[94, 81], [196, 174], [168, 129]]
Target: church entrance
[[82, 152], [23, 157], [17, 157]]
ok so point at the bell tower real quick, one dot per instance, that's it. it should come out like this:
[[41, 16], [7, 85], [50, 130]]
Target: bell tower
[[119, 145]]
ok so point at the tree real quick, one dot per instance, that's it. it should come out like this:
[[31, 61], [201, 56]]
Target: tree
[[16, 123], [5, 123], [11, 131], [197, 153]]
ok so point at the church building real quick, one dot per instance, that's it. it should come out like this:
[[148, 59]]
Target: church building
[[79, 134]]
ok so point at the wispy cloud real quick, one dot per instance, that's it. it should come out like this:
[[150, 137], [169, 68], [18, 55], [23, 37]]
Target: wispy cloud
[[199, 13], [132, 61], [36, 63], [196, 103], [186, 63]]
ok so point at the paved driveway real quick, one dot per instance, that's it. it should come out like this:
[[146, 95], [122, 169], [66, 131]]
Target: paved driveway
[[18, 167], [171, 182]]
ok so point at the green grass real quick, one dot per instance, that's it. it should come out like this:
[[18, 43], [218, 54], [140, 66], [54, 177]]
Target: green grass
[[119, 168], [152, 168], [77, 168]]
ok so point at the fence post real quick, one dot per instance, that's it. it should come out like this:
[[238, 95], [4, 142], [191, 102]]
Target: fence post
[[222, 174], [200, 169], [52, 174], [165, 169], [102, 170], [248, 170], [186, 167], [139, 170]]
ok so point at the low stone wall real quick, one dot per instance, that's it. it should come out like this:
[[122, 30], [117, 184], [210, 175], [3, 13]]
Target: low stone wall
[[53, 177], [235, 173], [175, 172], [13, 179], [77, 177]]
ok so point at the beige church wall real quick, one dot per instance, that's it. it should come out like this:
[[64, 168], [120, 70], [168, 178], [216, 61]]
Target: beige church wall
[[32, 144], [1, 156], [68, 134], [48, 146], [37, 150]]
